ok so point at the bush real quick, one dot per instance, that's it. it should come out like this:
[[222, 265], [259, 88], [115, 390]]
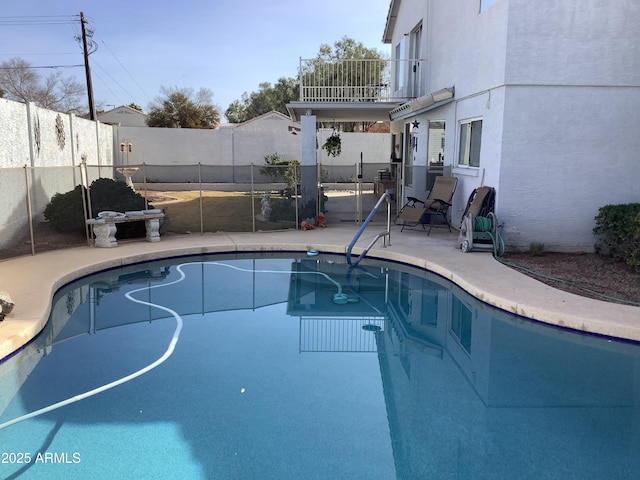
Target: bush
[[285, 210], [618, 229], [66, 214], [281, 170]]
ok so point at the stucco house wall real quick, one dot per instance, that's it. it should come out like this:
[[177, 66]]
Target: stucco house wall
[[557, 88]]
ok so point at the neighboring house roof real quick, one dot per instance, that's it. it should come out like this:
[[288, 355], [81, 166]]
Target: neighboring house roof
[[125, 116], [267, 119]]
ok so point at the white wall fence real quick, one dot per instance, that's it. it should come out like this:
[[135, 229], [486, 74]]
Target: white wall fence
[[40, 155], [242, 146], [43, 152]]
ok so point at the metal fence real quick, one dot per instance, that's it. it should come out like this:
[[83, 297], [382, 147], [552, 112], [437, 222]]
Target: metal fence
[[196, 198], [356, 80]]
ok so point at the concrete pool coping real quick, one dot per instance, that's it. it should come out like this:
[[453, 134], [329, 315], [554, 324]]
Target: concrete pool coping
[[31, 281]]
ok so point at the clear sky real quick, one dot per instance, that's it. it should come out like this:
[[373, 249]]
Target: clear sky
[[229, 47]]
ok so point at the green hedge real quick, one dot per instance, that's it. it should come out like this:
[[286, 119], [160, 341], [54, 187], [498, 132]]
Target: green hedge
[[66, 214], [618, 231]]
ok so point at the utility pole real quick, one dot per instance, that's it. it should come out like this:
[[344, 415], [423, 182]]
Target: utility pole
[[92, 107]]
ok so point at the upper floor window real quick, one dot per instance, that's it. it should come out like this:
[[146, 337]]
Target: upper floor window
[[470, 138], [484, 4], [399, 65]]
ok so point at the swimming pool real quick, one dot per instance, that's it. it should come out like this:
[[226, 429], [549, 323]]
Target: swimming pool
[[289, 366]]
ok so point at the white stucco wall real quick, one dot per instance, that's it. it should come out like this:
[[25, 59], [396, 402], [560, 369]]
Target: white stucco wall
[[570, 152], [36, 137], [173, 146], [557, 87], [590, 42], [247, 144]]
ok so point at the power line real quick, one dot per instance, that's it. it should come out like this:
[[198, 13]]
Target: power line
[[41, 66], [112, 79], [124, 68], [33, 54], [37, 20], [106, 85]]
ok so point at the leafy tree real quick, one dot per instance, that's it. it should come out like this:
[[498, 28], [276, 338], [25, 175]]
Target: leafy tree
[[182, 108], [327, 68], [21, 83], [135, 106], [268, 98], [356, 74]]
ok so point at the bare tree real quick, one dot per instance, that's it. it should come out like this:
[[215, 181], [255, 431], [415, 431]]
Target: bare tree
[[20, 82]]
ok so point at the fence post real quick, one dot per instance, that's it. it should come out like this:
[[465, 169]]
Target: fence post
[[144, 180], [85, 210], [86, 200], [29, 210], [200, 187], [253, 203]]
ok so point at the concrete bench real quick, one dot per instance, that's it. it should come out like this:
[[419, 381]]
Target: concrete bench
[[105, 229]]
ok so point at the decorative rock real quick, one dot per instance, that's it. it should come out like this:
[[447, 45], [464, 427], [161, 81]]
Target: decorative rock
[[6, 305]]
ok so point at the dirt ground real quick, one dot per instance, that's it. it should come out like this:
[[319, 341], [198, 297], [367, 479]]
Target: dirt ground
[[589, 275]]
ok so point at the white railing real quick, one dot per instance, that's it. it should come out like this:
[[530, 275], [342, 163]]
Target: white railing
[[358, 80]]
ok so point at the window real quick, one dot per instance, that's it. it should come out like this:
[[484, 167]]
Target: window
[[461, 324], [470, 137], [484, 4], [409, 150], [400, 65]]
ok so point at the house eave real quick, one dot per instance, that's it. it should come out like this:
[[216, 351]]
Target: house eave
[[390, 24], [342, 111], [423, 104]]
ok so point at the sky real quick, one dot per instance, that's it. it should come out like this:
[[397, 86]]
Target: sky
[[229, 47]]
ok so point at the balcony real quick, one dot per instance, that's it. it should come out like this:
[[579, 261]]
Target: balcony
[[355, 89]]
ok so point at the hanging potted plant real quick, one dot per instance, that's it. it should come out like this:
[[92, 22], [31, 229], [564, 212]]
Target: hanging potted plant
[[333, 145]]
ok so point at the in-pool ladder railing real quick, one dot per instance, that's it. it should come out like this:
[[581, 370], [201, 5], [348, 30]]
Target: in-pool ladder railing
[[386, 235]]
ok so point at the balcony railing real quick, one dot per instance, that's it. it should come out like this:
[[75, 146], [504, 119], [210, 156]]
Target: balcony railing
[[358, 80]]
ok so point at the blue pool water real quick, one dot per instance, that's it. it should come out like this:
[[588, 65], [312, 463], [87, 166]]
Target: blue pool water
[[289, 367]]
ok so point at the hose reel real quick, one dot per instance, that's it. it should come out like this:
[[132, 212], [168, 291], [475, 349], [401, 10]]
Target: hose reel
[[480, 233]]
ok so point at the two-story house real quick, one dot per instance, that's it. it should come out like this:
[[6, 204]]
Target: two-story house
[[540, 100]]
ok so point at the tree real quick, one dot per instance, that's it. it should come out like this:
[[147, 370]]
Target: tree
[[182, 108], [21, 83], [346, 67], [267, 99], [135, 106]]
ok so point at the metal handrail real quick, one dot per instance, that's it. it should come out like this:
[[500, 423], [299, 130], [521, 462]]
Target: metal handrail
[[357, 80], [385, 234]]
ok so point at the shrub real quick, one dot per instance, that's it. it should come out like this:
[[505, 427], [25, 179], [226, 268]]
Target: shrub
[[618, 229], [66, 214], [281, 170], [283, 211]]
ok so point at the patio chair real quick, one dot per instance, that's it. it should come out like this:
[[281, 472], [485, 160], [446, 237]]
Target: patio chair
[[479, 228], [481, 202], [436, 205]]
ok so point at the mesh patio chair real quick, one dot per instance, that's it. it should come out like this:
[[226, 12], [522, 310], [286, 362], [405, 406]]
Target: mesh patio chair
[[436, 206]]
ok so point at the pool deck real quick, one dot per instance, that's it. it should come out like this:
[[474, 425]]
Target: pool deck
[[31, 281]]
